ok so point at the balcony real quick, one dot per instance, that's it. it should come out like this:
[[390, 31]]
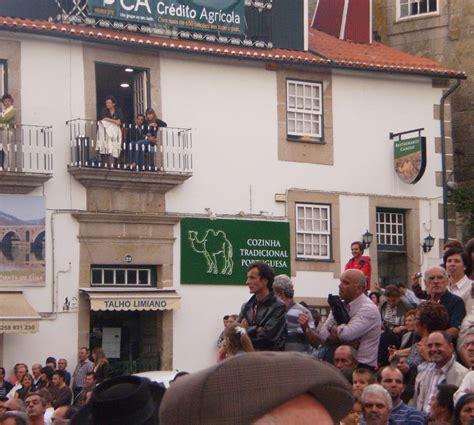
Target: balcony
[[120, 159], [26, 157]]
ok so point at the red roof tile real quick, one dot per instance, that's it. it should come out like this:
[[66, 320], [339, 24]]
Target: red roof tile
[[373, 56], [326, 50]]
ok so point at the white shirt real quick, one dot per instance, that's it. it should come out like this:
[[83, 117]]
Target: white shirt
[[365, 325], [462, 289], [12, 392], [47, 415], [466, 387]]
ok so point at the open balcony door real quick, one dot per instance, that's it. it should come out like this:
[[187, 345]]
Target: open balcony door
[[140, 92]]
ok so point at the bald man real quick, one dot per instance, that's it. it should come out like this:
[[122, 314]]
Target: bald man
[[436, 281], [365, 323]]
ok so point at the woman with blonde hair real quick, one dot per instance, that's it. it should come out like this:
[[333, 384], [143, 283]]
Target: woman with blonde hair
[[236, 340], [101, 364]]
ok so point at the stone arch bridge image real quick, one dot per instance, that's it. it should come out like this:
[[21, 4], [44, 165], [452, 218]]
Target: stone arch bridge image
[[32, 234]]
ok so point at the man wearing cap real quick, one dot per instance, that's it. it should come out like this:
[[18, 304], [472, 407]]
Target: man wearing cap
[[300, 323], [259, 388], [264, 315], [364, 326]]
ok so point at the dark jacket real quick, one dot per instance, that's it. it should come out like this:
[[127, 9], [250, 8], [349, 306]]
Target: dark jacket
[[455, 306], [270, 315]]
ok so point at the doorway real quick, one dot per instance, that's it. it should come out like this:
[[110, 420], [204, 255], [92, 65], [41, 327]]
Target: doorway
[[129, 85], [130, 339], [392, 259]]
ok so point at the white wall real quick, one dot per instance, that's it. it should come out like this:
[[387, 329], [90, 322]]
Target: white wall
[[52, 92], [232, 110]]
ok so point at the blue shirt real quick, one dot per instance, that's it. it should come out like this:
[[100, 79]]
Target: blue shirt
[[404, 414]]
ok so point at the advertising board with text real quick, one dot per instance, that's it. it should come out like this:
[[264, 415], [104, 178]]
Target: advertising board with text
[[410, 159], [219, 251], [225, 16]]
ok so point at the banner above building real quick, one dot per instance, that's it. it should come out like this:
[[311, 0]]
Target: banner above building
[[224, 16], [219, 251]]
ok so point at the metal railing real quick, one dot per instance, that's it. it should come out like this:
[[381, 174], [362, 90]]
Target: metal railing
[[118, 368], [129, 147], [26, 148]]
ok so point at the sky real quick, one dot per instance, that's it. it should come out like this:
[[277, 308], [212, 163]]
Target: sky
[[24, 207]]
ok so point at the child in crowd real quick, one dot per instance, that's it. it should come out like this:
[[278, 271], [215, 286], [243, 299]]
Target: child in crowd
[[361, 378]]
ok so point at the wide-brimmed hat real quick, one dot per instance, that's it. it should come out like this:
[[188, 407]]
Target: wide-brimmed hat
[[244, 388], [123, 400]]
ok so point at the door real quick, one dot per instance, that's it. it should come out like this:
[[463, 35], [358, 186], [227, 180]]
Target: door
[[392, 259], [140, 98]]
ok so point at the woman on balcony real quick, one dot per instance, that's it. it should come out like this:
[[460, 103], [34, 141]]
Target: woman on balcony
[[109, 134], [7, 122], [150, 144]]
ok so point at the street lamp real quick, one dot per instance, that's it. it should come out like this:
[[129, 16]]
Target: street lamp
[[367, 239], [428, 243]]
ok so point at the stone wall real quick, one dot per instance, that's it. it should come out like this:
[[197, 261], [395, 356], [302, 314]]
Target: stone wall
[[448, 39]]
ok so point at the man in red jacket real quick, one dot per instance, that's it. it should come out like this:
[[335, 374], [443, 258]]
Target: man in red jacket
[[359, 261]]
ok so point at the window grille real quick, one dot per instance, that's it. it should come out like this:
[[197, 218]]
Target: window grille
[[304, 102], [390, 228], [123, 276], [417, 7], [313, 231]]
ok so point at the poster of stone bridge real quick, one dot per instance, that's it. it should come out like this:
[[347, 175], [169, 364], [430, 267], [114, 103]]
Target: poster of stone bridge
[[22, 240]]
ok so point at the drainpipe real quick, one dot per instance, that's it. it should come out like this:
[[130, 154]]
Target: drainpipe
[[443, 157]]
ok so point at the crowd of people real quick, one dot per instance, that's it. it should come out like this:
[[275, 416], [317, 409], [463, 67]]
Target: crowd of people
[[50, 394], [397, 356], [412, 348]]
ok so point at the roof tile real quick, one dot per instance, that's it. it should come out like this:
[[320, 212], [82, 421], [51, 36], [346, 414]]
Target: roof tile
[[324, 49]]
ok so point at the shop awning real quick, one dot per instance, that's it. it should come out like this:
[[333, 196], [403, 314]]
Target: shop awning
[[16, 314], [111, 299]]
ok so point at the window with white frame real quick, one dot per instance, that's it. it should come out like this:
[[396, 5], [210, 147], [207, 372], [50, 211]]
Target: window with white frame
[[313, 231], [304, 108], [390, 228], [123, 276], [417, 7]]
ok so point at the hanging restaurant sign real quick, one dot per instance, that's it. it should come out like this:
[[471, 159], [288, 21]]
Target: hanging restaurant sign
[[409, 156], [224, 16]]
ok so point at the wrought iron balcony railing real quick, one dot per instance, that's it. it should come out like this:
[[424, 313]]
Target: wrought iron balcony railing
[[26, 149], [130, 147]]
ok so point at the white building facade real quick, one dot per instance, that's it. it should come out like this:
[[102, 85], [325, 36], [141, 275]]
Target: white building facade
[[303, 141]]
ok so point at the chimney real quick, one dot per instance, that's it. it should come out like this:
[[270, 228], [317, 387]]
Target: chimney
[[344, 19]]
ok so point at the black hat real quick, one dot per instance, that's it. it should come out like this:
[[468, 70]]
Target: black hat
[[122, 400]]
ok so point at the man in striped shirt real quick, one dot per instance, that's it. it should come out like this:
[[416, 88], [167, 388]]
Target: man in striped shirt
[[391, 378], [300, 323]]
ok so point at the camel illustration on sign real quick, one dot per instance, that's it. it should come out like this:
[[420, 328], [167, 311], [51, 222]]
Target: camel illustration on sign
[[211, 245]]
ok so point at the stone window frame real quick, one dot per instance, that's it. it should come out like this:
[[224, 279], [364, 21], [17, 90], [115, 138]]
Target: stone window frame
[[301, 196], [316, 151], [302, 136], [411, 207], [298, 231], [418, 15]]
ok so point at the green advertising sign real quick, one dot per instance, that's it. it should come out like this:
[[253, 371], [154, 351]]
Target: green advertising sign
[[226, 16], [410, 158], [219, 251]]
